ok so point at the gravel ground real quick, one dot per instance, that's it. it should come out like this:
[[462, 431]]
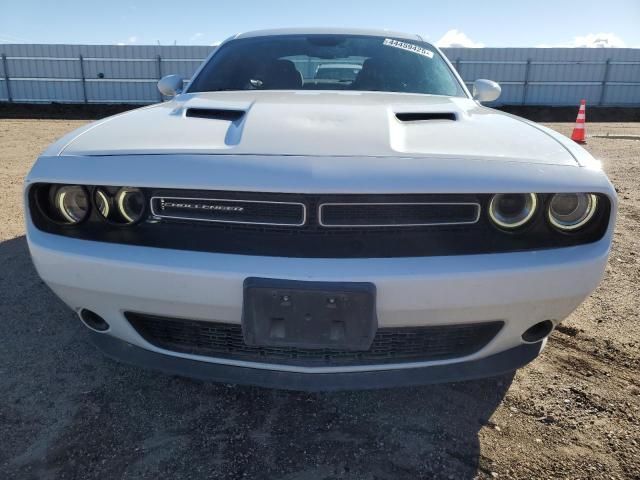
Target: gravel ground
[[68, 412]]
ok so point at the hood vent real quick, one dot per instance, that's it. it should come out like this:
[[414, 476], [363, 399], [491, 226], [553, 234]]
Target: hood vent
[[215, 114], [421, 116]]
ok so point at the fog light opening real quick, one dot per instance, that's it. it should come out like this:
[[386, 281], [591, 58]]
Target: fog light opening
[[538, 332], [93, 320]]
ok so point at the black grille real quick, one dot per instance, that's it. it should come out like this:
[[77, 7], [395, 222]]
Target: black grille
[[229, 210], [397, 214], [390, 345]]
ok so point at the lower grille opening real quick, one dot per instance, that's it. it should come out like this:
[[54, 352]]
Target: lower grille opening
[[390, 345]]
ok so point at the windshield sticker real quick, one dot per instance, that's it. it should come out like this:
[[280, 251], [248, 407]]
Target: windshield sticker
[[409, 47]]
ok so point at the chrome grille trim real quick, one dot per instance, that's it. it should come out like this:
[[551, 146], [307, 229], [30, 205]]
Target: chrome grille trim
[[384, 225], [227, 200]]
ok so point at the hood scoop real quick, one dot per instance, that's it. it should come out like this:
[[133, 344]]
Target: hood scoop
[[228, 115], [423, 116]]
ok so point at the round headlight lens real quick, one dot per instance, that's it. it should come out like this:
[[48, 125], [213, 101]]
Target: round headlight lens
[[72, 203], [131, 204], [103, 202], [512, 210], [570, 211]]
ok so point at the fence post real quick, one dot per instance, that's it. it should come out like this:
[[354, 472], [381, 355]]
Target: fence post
[[84, 83], [605, 79], [525, 86], [6, 77], [159, 67]]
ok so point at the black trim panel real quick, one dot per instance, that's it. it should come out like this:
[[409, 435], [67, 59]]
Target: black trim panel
[[315, 241], [494, 365], [215, 114], [424, 116]]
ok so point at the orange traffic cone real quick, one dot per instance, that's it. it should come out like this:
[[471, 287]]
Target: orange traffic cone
[[579, 131]]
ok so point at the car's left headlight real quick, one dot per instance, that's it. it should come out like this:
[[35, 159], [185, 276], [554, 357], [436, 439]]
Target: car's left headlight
[[71, 203], [571, 211], [131, 204]]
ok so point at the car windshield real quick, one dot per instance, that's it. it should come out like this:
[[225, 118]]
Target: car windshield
[[327, 62]]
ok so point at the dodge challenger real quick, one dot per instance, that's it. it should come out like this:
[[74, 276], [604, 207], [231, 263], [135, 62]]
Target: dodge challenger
[[271, 226]]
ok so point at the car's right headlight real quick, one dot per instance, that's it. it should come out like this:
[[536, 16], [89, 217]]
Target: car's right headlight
[[571, 211]]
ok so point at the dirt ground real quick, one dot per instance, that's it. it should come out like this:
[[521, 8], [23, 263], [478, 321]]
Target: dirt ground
[[68, 412]]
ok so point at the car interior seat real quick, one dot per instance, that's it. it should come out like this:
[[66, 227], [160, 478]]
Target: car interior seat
[[282, 75]]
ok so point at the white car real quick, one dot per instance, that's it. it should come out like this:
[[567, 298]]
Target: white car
[[257, 229]]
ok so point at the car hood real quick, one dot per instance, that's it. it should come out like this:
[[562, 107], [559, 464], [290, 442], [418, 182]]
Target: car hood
[[320, 123]]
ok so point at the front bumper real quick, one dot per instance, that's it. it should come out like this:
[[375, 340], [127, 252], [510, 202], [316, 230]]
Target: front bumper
[[520, 289], [492, 365]]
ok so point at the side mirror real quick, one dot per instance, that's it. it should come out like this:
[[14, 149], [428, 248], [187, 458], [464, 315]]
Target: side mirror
[[486, 90], [171, 85]]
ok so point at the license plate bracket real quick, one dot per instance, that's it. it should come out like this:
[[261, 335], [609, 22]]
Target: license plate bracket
[[310, 315]]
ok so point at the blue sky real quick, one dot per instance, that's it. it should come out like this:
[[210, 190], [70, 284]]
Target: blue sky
[[468, 23]]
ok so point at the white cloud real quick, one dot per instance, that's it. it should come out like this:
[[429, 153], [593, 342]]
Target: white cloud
[[4, 38], [599, 40], [592, 40], [129, 41], [196, 36], [456, 38]]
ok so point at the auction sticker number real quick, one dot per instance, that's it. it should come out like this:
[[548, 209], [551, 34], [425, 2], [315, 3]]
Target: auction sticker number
[[409, 47]]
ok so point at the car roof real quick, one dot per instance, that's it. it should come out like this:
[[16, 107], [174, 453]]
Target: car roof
[[329, 31]]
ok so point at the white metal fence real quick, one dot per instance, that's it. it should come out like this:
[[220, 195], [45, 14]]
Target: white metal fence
[[128, 74]]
